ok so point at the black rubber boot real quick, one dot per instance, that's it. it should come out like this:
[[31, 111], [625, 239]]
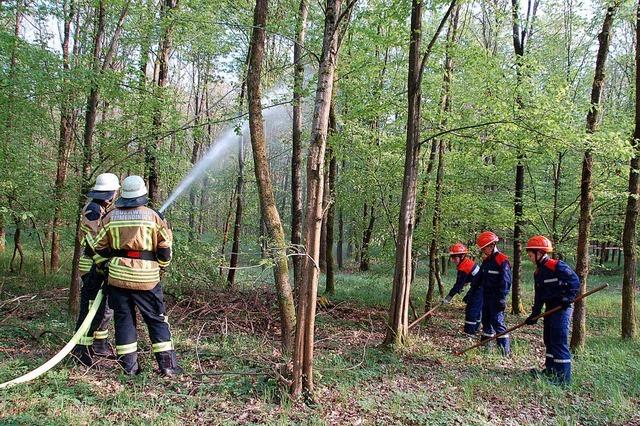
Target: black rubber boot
[[129, 363], [168, 364], [82, 354], [102, 348]]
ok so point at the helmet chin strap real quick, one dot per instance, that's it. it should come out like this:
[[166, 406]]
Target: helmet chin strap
[[540, 261]]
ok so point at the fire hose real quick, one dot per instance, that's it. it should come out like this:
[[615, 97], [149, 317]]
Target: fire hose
[[84, 327], [542, 315]]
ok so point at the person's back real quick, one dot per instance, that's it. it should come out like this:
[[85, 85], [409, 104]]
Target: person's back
[[137, 240], [139, 245]]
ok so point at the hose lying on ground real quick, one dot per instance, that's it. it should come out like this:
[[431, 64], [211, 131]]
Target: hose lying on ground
[[84, 327]]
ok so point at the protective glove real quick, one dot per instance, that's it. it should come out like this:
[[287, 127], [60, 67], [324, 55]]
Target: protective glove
[[565, 303], [446, 300], [465, 299], [531, 319], [502, 305]]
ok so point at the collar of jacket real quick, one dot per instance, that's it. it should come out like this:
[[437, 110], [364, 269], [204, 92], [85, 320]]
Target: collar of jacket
[[132, 202]]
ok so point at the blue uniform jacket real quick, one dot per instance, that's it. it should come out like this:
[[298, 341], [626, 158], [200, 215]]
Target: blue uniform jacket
[[495, 275], [468, 272], [554, 280]]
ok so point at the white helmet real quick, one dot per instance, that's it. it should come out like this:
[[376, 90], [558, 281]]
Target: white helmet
[[106, 182], [133, 187]]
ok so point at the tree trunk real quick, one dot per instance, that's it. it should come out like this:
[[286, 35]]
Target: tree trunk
[[330, 285], [517, 307], [151, 152], [65, 138], [89, 128], [237, 226], [296, 154], [366, 238], [520, 29], [263, 178], [87, 157], [195, 151], [304, 342], [445, 108], [398, 327], [586, 196], [340, 247], [629, 327]]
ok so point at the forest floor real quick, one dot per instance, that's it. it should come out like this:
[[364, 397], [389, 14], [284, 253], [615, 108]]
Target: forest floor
[[227, 341]]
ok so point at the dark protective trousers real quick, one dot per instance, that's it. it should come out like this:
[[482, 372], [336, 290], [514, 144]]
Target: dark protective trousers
[[150, 303], [556, 341], [91, 283], [493, 322], [473, 311]]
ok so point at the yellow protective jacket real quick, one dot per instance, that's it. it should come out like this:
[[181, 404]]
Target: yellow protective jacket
[[138, 242], [90, 217]]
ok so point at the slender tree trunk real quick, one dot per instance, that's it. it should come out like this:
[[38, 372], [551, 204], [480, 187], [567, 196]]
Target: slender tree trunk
[[304, 342], [445, 108], [629, 322], [366, 239], [520, 29], [89, 129], [330, 285], [398, 327], [296, 155], [263, 177], [586, 196], [87, 157], [340, 247], [151, 152], [237, 227], [195, 151], [65, 137]]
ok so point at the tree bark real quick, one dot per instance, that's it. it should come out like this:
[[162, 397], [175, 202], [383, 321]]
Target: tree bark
[[445, 108], [586, 197], [330, 285], [520, 31], [67, 120], [263, 178], [304, 342], [237, 226], [151, 152], [98, 67], [87, 155], [340, 247], [629, 326], [296, 154], [366, 238], [398, 326]]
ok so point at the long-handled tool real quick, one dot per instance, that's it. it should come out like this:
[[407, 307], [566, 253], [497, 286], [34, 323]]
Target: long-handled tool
[[426, 314], [84, 327], [542, 315]]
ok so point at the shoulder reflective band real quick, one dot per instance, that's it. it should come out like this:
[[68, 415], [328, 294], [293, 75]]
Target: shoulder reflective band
[[84, 327]]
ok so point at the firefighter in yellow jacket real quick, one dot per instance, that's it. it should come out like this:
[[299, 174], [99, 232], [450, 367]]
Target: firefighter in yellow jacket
[[137, 240], [100, 200]]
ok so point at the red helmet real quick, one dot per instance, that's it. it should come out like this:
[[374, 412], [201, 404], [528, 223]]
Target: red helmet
[[485, 238], [458, 248], [540, 242]]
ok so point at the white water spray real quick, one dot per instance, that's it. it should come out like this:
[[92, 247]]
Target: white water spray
[[275, 117]]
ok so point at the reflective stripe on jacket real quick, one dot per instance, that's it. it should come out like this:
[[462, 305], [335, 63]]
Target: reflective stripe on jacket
[[135, 229], [89, 225]]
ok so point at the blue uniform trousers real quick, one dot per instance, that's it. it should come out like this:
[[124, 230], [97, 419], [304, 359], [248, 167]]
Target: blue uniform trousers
[[556, 341], [493, 322], [473, 311]]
